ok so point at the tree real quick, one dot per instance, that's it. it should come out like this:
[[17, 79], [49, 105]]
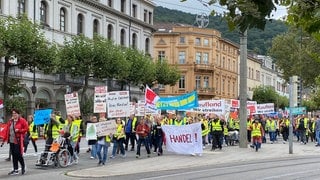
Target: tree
[[166, 74], [92, 58], [245, 15], [264, 94], [23, 41], [296, 54]]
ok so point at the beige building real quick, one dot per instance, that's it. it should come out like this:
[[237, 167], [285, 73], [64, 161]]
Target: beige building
[[207, 62], [254, 74]]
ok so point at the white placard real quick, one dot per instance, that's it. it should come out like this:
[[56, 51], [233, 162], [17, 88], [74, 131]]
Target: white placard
[[211, 106], [100, 99], [140, 108], [184, 139], [265, 108], [118, 104], [106, 127], [72, 104]]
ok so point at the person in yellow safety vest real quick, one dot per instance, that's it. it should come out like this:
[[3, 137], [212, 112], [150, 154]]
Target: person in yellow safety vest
[[78, 122], [204, 131], [226, 134], [130, 130], [237, 124], [302, 128], [231, 124], [216, 130], [249, 123], [103, 144], [310, 130], [284, 126], [257, 133], [178, 121], [118, 139], [171, 117], [271, 127], [73, 129], [51, 131], [32, 135]]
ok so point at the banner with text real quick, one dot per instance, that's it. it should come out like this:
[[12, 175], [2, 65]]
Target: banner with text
[[118, 104], [100, 99], [106, 127], [42, 116], [183, 102], [72, 104], [185, 139], [211, 106], [265, 108]]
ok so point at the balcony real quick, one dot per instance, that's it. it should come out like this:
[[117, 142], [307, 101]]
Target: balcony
[[204, 67], [206, 91]]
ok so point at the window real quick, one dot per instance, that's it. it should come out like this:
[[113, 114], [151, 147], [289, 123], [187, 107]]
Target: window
[[198, 58], [123, 6], [161, 55], [198, 82], [80, 24], [110, 3], [145, 12], [43, 13], [198, 41], [182, 40], [122, 37], [110, 32], [249, 72], [62, 19], [182, 84], [228, 65], [217, 84], [217, 61], [134, 10], [205, 58], [206, 82], [21, 7], [234, 68], [223, 65], [206, 42], [134, 40], [257, 75], [182, 57], [147, 44], [150, 18], [233, 88], [222, 85], [228, 88], [95, 27]]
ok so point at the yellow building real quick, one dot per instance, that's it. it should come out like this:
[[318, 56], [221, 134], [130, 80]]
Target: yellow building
[[207, 62]]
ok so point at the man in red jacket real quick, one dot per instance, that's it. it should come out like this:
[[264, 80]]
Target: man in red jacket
[[16, 129]]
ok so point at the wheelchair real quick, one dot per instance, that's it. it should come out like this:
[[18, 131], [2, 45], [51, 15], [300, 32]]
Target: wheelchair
[[56, 154]]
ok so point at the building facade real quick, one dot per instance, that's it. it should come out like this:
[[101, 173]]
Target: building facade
[[207, 62], [126, 22]]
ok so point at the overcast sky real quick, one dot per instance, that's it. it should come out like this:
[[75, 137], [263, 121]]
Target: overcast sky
[[196, 7]]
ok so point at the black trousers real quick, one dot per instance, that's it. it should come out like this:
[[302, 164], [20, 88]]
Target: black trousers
[[16, 156], [132, 138], [34, 146], [216, 139]]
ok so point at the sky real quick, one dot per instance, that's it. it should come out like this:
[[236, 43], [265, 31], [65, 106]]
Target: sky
[[196, 7]]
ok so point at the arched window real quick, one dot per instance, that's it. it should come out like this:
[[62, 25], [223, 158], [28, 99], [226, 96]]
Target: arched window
[[80, 24], [134, 40], [110, 32], [21, 7], [122, 37], [110, 3], [95, 27], [43, 12], [62, 19], [147, 46]]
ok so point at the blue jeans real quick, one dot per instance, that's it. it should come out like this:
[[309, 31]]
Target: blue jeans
[[272, 136], [94, 148], [318, 136], [103, 147], [117, 143]]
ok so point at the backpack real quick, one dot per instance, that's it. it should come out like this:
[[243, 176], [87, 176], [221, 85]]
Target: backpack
[[301, 124]]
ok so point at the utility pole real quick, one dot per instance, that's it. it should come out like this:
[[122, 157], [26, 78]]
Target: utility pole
[[291, 105], [243, 90]]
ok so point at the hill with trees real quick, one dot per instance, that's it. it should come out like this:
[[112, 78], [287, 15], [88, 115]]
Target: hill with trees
[[258, 41]]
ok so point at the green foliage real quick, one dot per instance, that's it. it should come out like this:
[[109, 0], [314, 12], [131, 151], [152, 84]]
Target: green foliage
[[166, 74], [265, 94], [258, 40], [19, 103], [87, 107]]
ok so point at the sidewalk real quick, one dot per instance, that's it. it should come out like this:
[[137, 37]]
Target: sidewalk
[[226, 155]]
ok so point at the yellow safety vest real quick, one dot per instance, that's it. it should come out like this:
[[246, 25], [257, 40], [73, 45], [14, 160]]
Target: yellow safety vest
[[216, 126], [55, 131], [34, 135], [206, 128], [119, 132], [78, 122], [256, 129]]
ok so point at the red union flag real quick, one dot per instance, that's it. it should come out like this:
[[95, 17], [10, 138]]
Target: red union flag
[[150, 97], [3, 130]]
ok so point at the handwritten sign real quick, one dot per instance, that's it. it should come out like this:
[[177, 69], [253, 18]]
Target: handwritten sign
[[118, 104], [106, 127], [42, 116], [100, 99], [72, 104]]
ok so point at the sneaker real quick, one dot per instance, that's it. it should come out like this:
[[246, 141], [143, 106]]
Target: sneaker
[[124, 156], [13, 172], [99, 163], [252, 146], [103, 164], [23, 171], [91, 157], [112, 157], [137, 156], [8, 159], [148, 155]]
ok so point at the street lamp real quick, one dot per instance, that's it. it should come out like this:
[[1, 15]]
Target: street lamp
[[34, 87]]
